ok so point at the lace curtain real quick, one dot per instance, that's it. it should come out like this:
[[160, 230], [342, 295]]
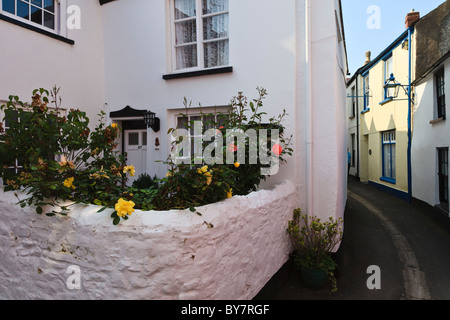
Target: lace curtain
[[212, 40]]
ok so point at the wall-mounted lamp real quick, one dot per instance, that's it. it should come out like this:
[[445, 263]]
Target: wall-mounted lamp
[[392, 87], [151, 121]]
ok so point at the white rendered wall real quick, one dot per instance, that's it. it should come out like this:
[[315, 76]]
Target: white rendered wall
[[152, 255], [426, 139], [262, 53], [267, 49], [30, 60]]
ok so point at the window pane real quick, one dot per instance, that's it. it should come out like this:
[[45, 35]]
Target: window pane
[[185, 32], [182, 122], [8, 6], [387, 161], [49, 5], [37, 3], [184, 9], [36, 15], [133, 138], [192, 122], [187, 57], [23, 10], [144, 138], [49, 20], [211, 6], [215, 27], [393, 161], [209, 122], [216, 54]]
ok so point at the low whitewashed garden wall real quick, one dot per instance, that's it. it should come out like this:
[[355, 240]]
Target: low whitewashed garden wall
[[230, 252]]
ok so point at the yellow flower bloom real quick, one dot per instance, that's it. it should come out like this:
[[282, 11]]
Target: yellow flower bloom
[[204, 169], [69, 183], [237, 164], [168, 174], [230, 193], [129, 169], [114, 125], [124, 207], [208, 180]]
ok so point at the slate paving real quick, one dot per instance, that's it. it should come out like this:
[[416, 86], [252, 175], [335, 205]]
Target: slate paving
[[410, 243]]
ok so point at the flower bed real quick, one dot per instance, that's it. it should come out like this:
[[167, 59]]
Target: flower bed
[[229, 252]]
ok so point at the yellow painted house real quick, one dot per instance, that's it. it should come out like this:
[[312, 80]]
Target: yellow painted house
[[385, 116]]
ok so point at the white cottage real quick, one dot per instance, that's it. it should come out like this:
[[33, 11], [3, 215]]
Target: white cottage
[[431, 140], [127, 57]]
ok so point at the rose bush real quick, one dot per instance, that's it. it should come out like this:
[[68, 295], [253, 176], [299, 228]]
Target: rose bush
[[54, 157]]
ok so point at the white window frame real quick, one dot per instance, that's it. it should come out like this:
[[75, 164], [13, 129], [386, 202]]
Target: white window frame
[[200, 39], [195, 112], [388, 70], [60, 8]]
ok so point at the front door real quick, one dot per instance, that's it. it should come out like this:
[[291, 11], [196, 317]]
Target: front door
[[136, 152]]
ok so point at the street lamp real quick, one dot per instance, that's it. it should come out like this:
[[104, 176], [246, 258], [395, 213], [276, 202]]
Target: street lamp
[[392, 88], [151, 121]]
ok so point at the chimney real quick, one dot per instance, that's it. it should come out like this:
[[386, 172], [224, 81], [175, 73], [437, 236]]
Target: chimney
[[411, 18], [368, 54]]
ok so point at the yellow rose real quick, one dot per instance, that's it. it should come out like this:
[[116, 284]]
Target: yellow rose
[[69, 183], [230, 193], [124, 207], [129, 169], [237, 164]]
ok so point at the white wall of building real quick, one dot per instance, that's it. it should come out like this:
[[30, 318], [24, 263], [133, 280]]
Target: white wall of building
[[270, 44], [427, 137], [30, 60]]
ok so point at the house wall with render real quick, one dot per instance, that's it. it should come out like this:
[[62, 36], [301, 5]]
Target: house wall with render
[[294, 49], [31, 60], [429, 135]]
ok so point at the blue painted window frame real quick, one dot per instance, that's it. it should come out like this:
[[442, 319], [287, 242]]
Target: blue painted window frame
[[366, 90], [390, 142]]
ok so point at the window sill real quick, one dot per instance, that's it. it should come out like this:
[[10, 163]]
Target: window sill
[[437, 120], [204, 72], [386, 101], [36, 29], [366, 110], [389, 180]]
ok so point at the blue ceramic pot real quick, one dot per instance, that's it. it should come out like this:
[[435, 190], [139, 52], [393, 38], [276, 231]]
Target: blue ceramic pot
[[315, 279]]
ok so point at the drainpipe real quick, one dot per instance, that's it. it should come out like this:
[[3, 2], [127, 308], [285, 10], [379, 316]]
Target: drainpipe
[[409, 117], [309, 141]]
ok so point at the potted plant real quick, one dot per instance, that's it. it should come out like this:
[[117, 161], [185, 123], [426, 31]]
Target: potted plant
[[313, 242]]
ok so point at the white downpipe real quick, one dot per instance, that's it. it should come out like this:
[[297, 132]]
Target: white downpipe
[[309, 132]]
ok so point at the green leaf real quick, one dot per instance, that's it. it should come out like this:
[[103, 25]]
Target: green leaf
[[116, 221], [39, 210]]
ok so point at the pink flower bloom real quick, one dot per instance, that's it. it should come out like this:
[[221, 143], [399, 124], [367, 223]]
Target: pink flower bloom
[[232, 147], [277, 149]]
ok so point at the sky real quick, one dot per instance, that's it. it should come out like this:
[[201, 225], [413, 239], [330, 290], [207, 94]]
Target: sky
[[372, 25]]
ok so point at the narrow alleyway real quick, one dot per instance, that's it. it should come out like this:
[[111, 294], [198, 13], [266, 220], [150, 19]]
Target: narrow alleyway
[[410, 243]]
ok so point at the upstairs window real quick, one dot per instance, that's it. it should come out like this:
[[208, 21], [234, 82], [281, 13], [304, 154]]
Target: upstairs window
[[440, 93], [366, 93], [200, 34], [36, 12], [388, 70]]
